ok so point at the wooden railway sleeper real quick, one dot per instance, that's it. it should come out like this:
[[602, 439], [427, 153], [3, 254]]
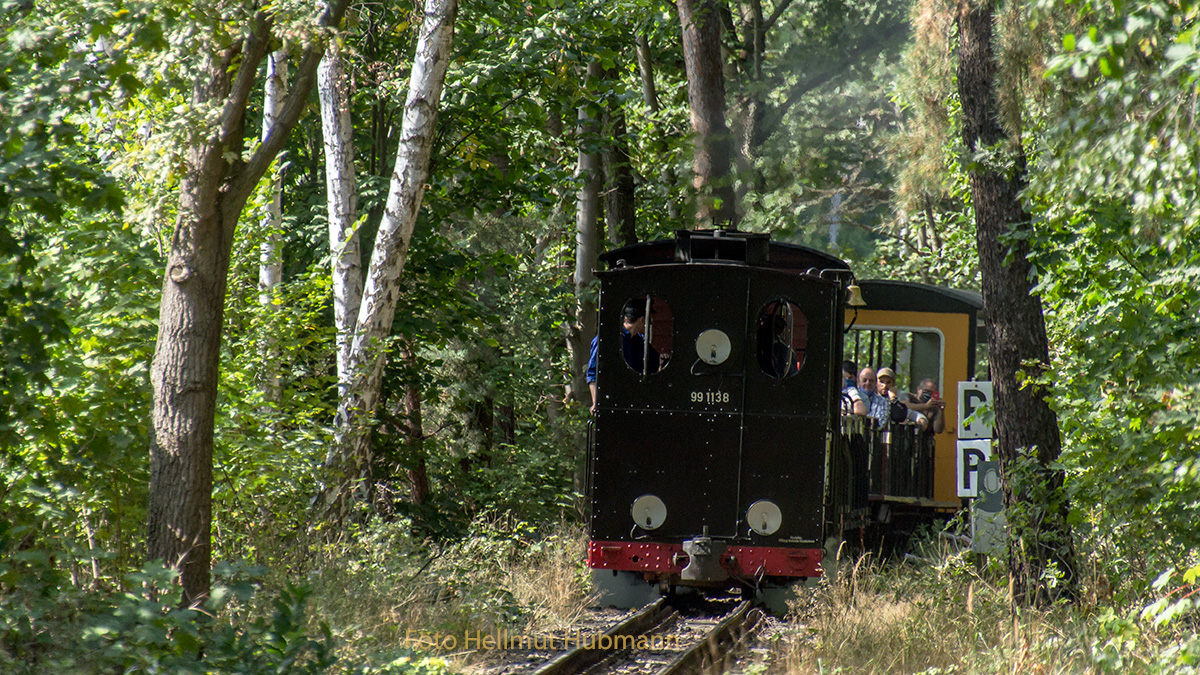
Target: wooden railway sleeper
[[714, 654], [578, 659]]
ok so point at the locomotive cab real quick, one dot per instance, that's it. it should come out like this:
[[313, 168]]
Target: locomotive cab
[[716, 457]]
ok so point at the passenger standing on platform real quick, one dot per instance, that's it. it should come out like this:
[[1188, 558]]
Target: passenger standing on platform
[[928, 403], [877, 405], [900, 411], [852, 400]]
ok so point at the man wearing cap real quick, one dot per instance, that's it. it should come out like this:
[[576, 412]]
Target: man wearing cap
[[633, 338], [633, 345]]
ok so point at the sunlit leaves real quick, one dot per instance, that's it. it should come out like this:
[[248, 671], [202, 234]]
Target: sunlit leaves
[[1115, 188]]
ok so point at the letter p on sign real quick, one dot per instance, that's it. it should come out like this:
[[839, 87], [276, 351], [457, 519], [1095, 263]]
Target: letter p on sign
[[972, 396]]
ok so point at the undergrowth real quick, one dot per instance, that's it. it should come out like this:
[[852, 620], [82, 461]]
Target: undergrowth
[[384, 605], [372, 609], [945, 611], [392, 596]]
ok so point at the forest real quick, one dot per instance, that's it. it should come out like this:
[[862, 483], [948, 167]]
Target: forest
[[296, 298]]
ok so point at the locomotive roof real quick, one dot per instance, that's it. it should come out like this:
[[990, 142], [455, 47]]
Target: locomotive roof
[[723, 246], [915, 297]]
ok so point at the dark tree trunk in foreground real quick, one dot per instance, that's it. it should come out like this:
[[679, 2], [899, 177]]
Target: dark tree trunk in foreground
[[215, 187], [713, 156], [1027, 438]]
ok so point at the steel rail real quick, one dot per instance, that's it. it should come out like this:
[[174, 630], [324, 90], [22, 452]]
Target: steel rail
[[714, 653], [581, 657]]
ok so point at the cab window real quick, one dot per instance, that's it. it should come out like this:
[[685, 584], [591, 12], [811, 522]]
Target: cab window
[[645, 333], [782, 335]]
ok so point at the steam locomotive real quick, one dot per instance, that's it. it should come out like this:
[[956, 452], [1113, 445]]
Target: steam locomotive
[[719, 455]]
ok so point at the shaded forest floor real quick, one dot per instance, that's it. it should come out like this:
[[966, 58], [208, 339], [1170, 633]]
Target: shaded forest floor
[[389, 604], [939, 610]]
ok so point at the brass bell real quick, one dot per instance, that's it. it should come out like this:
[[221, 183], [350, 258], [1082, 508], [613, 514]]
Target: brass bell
[[855, 299]]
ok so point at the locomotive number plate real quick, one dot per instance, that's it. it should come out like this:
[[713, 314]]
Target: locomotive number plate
[[710, 397]]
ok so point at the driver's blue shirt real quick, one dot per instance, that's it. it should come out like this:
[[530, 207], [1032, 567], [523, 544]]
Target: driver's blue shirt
[[634, 346], [591, 369], [633, 349]]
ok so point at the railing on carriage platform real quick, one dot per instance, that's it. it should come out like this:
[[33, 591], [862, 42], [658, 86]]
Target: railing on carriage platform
[[898, 457]]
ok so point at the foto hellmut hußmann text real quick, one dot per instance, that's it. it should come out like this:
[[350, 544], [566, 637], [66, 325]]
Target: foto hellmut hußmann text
[[503, 639]]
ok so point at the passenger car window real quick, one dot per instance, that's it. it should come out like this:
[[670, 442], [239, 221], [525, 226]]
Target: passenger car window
[[913, 354], [782, 335], [646, 334]]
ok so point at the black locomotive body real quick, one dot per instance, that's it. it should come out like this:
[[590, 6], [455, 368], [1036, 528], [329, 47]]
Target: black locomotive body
[[717, 454]]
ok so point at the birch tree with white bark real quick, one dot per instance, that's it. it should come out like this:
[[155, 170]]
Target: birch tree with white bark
[[341, 203], [587, 243], [270, 262], [351, 456]]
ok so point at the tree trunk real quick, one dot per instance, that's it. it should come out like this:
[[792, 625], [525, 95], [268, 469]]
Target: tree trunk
[[713, 155], [418, 472], [341, 202], [507, 421], [620, 214], [351, 454], [270, 264], [751, 106], [414, 430], [650, 97], [1027, 436], [587, 243], [483, 423], [214, 189]]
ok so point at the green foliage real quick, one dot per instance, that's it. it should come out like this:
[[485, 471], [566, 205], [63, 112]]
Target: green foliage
[[503, 573], [408, 665], [45, 174], [45, 78], [76, 457], [931, 233], [820, 174], [482, 360], [50, 624], [1116, 201], [268, 453], [30, 321], [1110, 134], [946, 611], [1120, 123]]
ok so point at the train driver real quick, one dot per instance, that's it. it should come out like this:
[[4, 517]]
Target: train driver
[[633, 345], [633, 338]]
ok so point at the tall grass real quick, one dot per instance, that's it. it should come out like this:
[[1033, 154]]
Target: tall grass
[[944, 612], [391, 594]]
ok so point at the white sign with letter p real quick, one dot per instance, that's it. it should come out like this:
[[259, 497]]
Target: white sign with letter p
[[972, 396], [970, 455]]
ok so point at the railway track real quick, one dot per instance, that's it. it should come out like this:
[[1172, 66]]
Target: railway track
[[663, 640]]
